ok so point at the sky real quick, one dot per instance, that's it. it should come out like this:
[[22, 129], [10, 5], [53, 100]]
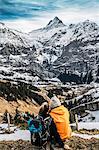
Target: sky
[[27, 15]]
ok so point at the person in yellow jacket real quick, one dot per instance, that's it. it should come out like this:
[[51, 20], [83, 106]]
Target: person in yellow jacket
[[60, 116]]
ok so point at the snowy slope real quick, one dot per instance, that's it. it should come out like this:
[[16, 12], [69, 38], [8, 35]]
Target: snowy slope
[[25, 134], [90, 116], [17, 135]]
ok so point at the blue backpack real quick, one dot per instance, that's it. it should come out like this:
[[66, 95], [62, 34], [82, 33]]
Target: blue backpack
[[39, 130], [35, 125]]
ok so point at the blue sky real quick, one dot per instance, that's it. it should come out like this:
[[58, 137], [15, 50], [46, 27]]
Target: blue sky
[[27, 15]]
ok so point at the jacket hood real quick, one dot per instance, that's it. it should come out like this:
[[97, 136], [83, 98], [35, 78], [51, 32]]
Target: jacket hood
[[59, 113], [58, 110]]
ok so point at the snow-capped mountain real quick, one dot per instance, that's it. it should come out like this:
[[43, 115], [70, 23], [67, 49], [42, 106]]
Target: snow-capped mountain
[[17, 57], [10, 36], [55, 23], [52, 50]]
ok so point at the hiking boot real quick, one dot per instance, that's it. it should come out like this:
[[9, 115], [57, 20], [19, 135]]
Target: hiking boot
[[66, 147], [55, 147]]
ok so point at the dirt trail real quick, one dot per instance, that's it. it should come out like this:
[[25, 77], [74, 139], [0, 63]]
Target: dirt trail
[[76, 143]]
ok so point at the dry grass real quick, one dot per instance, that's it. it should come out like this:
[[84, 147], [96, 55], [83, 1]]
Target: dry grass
[[11, 106]]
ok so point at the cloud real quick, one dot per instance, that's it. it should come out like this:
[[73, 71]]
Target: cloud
[[24, 25], [19, 9], [16, 9]]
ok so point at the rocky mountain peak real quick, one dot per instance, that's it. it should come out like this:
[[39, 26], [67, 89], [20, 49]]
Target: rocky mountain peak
[[56, 22], [90, 23], [87, 25]]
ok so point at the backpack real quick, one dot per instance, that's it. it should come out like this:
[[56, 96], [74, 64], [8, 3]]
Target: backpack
[[39, 130]]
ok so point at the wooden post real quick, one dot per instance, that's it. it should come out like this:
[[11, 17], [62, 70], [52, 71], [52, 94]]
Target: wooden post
[[8, 118], [76, 119]]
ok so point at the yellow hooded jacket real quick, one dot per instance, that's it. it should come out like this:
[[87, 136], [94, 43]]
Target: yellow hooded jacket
[[60, 116]]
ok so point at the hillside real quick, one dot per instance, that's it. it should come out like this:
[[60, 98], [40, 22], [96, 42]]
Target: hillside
[[79, 99], [23, 106]]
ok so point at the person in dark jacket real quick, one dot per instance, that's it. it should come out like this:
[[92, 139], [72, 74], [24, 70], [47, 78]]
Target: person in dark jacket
[[54, 136]]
